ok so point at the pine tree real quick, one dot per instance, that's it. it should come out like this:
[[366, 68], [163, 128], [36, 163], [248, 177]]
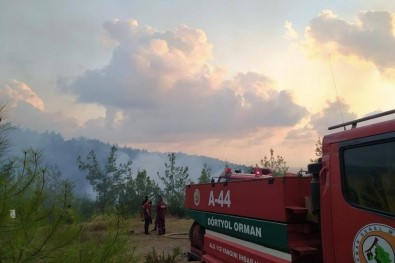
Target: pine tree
[[205, 175], [34, 230], [318, 150], [109, 181], [174, 180], [136, 190]]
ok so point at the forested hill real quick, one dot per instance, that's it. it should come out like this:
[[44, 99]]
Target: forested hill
[[62, 154]]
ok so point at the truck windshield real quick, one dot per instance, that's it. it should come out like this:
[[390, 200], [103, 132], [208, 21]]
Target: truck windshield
[[369, 176]]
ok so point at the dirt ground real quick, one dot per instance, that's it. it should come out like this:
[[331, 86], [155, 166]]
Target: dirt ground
[[176, 236]]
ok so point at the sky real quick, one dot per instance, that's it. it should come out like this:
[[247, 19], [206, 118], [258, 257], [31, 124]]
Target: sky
[[224, 79]]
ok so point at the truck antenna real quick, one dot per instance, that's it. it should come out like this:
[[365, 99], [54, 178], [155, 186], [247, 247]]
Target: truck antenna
[[337, 95]]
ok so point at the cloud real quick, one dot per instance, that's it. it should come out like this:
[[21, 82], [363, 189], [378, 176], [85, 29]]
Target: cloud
[[333, 114], [15, 92], [290, 32], [371, 37], [163, 87], [28, 109], [26, 116]]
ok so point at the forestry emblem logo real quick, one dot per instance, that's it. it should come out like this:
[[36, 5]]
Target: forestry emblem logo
[[196, 197], [374, 243]]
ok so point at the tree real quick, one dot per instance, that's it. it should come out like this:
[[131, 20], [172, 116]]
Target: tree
[[54, 197], [35, 214], [205, 175], [136, 190], [110, 181], [34, 228], [277, 164], [174, 180], [318, 150]]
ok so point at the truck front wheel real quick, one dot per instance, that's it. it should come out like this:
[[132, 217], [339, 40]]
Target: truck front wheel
[[196, 234]]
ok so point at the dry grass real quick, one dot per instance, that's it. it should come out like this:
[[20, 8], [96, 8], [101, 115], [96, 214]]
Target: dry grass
[[176, 236]]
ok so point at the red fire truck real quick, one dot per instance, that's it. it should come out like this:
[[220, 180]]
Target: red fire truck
[[341, 210]]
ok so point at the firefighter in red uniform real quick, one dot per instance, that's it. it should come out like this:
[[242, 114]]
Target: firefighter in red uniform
[[161, 209], [147, 216], [142, 207]]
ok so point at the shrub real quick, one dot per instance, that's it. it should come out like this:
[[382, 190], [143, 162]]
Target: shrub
[[153, 257]]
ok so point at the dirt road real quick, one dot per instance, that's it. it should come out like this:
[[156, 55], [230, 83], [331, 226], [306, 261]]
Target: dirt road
[[176, 236]]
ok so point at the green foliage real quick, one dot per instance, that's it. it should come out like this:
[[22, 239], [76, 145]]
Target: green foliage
[[85, 208], [38, 231], [318, 150], [382, 256], [38, 219], [153, 257], [32, 228], [45, 229], [143, 185], [205, 175], [54, 197], [109, 182], [102, 239], [174, 180], [135, 192], [115, 187], [277, 164]]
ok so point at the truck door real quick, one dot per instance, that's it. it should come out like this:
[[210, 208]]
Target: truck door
[[360, 176]]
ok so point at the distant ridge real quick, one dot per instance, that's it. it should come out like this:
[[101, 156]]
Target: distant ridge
[[63, 154]]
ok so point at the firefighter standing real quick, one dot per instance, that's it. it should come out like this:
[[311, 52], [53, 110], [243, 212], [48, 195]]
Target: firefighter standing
[[161, 209], [142, 207], [147, 216]]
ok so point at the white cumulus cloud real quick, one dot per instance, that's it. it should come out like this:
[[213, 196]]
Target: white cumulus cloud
[[166, 88], [15, 91]]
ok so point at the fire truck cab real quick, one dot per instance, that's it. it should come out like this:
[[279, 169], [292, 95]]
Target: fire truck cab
[[342, 211]]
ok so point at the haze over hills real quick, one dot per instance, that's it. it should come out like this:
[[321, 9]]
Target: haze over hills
[[63, 154]]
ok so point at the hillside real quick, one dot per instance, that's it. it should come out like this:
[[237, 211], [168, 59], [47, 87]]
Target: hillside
[[63, 154]]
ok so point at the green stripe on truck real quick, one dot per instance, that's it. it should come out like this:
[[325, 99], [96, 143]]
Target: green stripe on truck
[[266, 233]]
